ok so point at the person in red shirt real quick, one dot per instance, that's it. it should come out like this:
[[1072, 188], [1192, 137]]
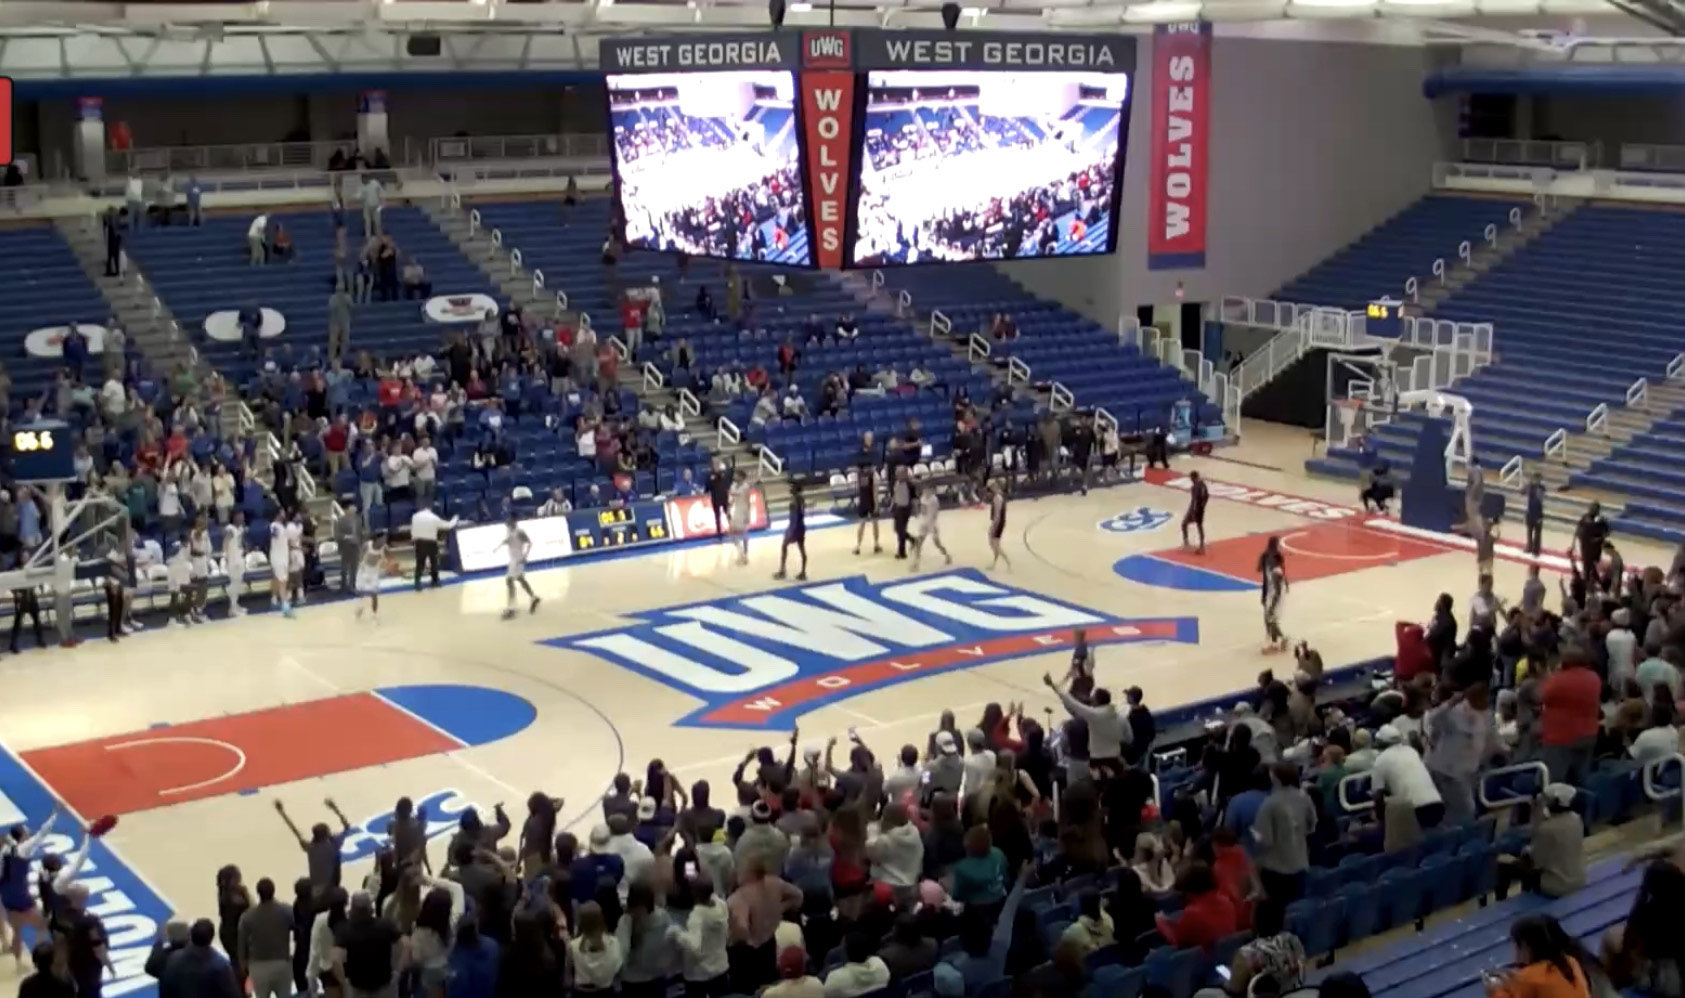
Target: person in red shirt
[[336, 440], [1235, 875], [148, 456], [1414, 656], [787, 358], [391, 391], [1208, 917], [1571, 702]]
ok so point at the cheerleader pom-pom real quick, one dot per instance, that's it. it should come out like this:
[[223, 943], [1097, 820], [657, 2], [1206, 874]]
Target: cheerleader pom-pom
[[103, 824]]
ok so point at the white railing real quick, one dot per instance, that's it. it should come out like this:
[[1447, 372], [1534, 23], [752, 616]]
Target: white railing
[[474, 222], [1490, 804], [1343, 792], [446, 151], [1489, 174], [1060, 398], [940, 324], [244, 418], [1597, 420], [1129, 329], [620, 347], [1515, 217], [978, 348], [903, 304], [1652, 774], [1556, 446], [1229, 404], [1413, 288], [728, 431], [1104, 419], [1510, 474], [877, 281], [1439, 270], [1638, 393], [312, 156], [1530, 152], [1490, 233], [1262, 312], [771, 463], [653, 378], [689, 404], [514, 262], [1016, 371], [1676, 367], [1657, 159]]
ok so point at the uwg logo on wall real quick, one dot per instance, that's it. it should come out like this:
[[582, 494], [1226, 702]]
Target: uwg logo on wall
[[828, 116], [1181, 152], [441, 808], [761, 661]]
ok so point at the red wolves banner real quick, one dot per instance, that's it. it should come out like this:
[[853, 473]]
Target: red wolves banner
[[1181, 151], [5, 121], [828, 112]]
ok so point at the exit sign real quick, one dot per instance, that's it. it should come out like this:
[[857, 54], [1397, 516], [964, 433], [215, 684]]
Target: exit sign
[[5, 120]]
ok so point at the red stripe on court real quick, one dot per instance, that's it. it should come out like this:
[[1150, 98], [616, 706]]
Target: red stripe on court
[[1248, 495], [141, 770], [1313, 552]]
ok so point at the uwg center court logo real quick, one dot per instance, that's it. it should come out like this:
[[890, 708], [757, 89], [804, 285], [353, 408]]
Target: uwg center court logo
[[442, 810], [1137, 520], [761, 661]]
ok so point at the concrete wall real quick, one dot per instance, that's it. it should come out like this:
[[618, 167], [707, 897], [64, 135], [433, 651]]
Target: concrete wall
[[1612, 120], [1312, 145]]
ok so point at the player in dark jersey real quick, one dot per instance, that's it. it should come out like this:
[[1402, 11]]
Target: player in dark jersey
[[997, 523], [866, 503], [1081, 675], [1198, 496], [1271, 560], [795, 533]]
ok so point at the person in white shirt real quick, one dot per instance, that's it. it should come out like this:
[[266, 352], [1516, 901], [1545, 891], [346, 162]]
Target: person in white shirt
[[862, 973], [740, 508], [199, 563], [929, 507], [424, 464], [370, 568], [395, 474], [671, 421], [556, 505], [295, 556], [1399, 772], [594, 952], [425, 527], [701, 941], [112, 395], [616, 839], [181, 587], [257, 239], [134, 199], [169, 505], [234, 559], [979, 765], [280, 564], [371, 195], [585, 442], [519, 545], [222, 493]]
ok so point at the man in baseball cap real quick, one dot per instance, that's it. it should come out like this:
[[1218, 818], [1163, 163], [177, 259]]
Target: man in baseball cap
[[793, 979]]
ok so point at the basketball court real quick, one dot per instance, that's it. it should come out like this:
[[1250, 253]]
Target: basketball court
[[191, 736]]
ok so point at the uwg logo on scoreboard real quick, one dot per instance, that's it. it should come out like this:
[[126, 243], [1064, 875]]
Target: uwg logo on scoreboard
[[761, 661]]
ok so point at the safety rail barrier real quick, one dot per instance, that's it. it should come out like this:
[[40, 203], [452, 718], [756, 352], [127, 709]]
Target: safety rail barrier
[[452, 201], [770, 463], [940, 324], [1510, 474], [689, 404], [449, 151], [244, 418], [1532, 152], [1016, 371], [653, 378], [1676, 367], [1656, 158], [1482, 785], [978, 348], [1060, 398], [1597, 420], [1652, 776], [245, 157], [877, 281], [1262, 312], [903, 304], [619, 346], [729, 431], [1104, 419], [1556, 446], [1536, 177], [1638, 393]]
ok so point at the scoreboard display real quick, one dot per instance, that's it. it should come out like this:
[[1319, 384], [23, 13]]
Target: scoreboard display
[[593, 529], [42, 452]]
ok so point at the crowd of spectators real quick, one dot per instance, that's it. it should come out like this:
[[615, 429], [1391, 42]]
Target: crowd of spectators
[[755, 220]]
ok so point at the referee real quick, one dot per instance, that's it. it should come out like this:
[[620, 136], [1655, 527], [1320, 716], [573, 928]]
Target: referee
[[425, 527], [901, 508]]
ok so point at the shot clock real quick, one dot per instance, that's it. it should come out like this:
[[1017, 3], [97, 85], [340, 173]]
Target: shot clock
[[1384, 317], [42, 452]]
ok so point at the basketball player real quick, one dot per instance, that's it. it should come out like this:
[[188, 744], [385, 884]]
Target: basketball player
[[280, 562], [180, 569], [866, 503], [295, 556], [1485, 545], [1198, 496], [795, 533], [740, 504], [1272, 558], [997, 523], [929, 508], [370, 567], [199, 563], [519, 545], [1275, 586], [234, 560], [1080, 678]]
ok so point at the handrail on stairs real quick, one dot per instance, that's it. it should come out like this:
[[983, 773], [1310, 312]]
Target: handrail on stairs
[[537, 281], [1652, 773], [1439, 270], [1597, 420], [620, 347], [940, 324], [1465, 252], [1412, 287], [653, 378], [473, 222], [1510, 474], [1638, 393], [877, 281], [1016, 371], [497, 238], [1515, 217], [1129, 331], [1491, 234], [770, 463], [1104, 419], [514, 262], [903, 303], [1676, 367], [729, 431], [689, 404], [1060, 398], [1556, 445], [978, 348]]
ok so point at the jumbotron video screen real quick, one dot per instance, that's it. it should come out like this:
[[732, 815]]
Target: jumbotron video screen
[[709, 164], [988, 165]]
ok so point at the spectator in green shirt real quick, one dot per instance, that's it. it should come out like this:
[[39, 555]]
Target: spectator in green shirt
[[979, 878]]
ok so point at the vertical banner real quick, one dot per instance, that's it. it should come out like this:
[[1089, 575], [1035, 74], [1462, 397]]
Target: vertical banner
[[5, 120], [1181, 150], [827, 88]]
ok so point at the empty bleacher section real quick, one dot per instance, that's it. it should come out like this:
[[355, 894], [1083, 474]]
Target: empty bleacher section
[[1057, 345], [1404, 246], [44, 286], [569, 255]]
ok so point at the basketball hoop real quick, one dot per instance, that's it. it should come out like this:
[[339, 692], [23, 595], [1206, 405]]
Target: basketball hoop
[[1348, 410]]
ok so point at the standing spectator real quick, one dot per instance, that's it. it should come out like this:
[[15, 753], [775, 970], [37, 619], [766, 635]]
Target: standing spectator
[[1108, 731], [49, 981], [757, 907], [198, 971], [1462, 738], [701, 942], [425, 527], [1400, 775], [642, 936], [1622, 648], [862, 972], [264, 948], [257, 240], [473, 962], [1143, 730], [1282, 831], [113, 246], [594, 952], [1535, 515], [371, 196], [1208, 916], [339, 322], [1570, 699], [368, 950], [82, 935], [794, 980]]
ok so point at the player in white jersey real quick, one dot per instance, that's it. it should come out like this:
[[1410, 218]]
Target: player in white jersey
[[370, 568], [1275, 587], [234, 560], [180, 578], [199, 563], [295, 556], [997, 523], [519, 545], [930, 506], [280, 564], [740, 508]]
